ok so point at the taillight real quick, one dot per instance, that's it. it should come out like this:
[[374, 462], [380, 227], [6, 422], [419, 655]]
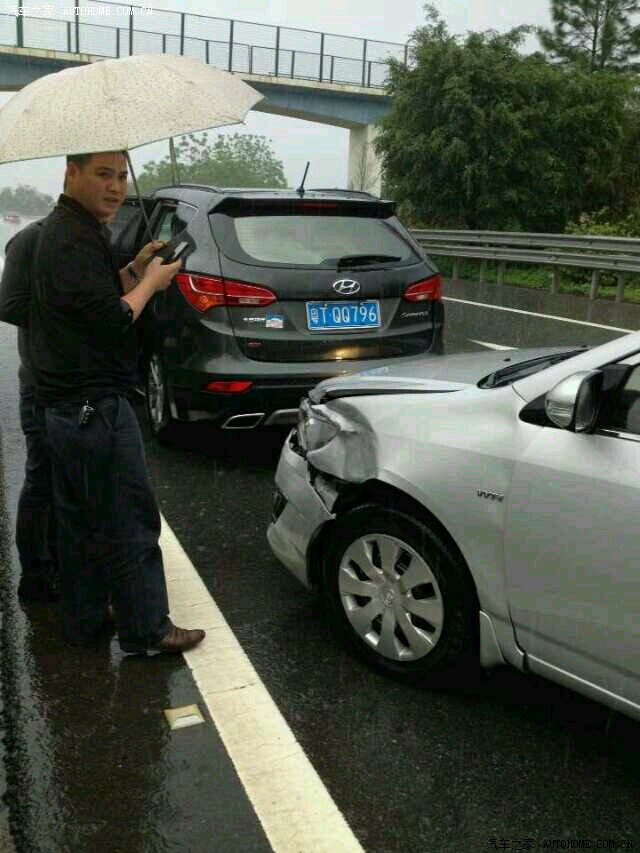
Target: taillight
[[239, 293], [425, 289], [209, 291], [201, 291], [233, 386], [315, 205]]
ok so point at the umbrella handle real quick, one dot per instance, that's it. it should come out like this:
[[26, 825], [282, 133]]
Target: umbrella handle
[[142, 207], [175, 175]]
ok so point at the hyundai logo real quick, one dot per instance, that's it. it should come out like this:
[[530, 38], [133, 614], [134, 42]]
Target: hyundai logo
[[346, 286]]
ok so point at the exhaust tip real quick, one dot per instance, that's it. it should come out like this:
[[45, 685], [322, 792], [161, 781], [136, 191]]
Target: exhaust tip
[[249, 421]]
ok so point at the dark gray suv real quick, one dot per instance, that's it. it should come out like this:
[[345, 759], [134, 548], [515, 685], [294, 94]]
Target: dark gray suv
[[278, 291]]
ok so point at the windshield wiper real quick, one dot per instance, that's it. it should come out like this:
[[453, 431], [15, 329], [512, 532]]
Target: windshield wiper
[[507, 375], [362, 260]]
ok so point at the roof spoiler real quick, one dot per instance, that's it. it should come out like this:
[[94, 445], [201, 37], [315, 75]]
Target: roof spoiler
[[359, 206]]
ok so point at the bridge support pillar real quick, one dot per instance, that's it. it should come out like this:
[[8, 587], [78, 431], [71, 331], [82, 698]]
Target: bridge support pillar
[[365, 167]]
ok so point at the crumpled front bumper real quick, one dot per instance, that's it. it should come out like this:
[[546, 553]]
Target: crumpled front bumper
[[299, 512]]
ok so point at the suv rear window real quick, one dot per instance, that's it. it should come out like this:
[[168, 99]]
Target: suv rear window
[[310, 240]]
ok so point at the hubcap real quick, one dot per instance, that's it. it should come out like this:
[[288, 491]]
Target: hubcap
[[388, 596], [391, 597], [156, 392]]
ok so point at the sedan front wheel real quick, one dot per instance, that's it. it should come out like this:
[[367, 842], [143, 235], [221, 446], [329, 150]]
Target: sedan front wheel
[[397, 594]]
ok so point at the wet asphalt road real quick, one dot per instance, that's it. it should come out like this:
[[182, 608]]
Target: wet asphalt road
[[92, 766]]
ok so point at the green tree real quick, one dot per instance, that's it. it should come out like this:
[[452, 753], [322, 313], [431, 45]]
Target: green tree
[[482, 137], [239, 160], [25, 200], [593, 34]]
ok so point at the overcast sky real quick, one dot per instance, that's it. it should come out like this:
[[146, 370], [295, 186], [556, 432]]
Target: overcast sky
[[296, 141]]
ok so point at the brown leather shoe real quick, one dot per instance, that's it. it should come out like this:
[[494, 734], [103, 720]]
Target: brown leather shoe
[[178, 640]]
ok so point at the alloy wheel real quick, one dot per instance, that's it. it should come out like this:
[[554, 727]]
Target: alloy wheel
[[156, 393]]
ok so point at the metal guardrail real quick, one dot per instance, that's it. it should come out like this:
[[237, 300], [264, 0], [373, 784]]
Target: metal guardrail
[[618, 255], [235, 45]]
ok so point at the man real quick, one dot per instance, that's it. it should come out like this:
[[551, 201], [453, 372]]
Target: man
[[35, 519], [35, 527], [84, 356]]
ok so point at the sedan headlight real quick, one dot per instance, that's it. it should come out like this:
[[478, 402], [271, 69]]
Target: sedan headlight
[[315, 429]]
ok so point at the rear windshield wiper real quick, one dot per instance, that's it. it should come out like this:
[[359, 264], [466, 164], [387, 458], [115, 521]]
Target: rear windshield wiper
[[507, 375], [362, 260]]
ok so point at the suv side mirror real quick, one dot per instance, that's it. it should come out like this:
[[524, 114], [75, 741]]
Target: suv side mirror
[[574, 402]]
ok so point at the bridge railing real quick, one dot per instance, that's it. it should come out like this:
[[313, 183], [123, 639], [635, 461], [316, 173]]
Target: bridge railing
[[617, 255], [114, 29]]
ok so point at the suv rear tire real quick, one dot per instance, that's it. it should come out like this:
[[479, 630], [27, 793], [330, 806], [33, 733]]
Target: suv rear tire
[[161, 423]]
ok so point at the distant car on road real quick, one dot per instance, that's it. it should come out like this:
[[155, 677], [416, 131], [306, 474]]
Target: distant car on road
[[480, 504], [278, 290]]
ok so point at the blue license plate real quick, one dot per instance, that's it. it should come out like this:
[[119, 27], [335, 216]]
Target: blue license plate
[[334, 316]]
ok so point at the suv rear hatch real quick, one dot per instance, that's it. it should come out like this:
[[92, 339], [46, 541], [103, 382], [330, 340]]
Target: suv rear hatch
[[330, 279]]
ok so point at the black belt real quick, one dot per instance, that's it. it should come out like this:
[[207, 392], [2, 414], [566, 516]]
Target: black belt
[[72, 405]]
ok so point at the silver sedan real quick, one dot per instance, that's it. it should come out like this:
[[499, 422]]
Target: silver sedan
[[476, 506]]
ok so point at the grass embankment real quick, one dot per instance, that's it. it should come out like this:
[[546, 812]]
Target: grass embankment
[[572, 281]]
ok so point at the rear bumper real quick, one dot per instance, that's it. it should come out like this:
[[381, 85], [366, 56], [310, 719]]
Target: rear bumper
[[266, 403], [196, 354], [273, 398]]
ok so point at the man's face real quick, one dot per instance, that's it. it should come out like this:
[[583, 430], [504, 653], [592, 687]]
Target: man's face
[[100, 185]]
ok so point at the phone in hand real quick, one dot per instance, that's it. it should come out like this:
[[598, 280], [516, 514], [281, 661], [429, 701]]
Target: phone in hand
[[175, 248], [179, 250]]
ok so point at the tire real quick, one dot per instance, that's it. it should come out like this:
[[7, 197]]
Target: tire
[[411, 631], [161, 423]]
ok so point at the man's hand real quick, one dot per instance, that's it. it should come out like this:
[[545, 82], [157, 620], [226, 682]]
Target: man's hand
[[160, 275], [145, 254]]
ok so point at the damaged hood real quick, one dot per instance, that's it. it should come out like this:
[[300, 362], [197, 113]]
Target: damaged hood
[[429, 374]]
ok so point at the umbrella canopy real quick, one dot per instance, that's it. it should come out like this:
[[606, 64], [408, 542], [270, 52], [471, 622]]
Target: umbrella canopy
[[119, 104]]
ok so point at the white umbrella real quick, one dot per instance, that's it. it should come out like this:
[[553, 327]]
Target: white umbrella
[[119, 104]]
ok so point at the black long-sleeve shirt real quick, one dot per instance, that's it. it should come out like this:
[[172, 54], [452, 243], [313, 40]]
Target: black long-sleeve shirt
[[82, 340], [15, 290]]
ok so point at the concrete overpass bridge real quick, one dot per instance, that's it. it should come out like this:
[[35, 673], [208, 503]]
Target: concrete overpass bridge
[[319, 77]]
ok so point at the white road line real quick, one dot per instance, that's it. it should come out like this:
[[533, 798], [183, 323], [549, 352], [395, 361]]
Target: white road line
[[490, 346], [534, 314], [295, 809]]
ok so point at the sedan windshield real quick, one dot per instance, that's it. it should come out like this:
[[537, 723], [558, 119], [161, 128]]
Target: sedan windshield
[[507, 375]]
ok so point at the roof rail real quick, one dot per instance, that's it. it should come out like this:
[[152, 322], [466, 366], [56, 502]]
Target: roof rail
[[226, 190], [204, 187], [191, 186]]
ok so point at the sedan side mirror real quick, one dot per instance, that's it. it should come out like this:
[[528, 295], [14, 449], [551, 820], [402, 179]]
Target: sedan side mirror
[[574, 403]]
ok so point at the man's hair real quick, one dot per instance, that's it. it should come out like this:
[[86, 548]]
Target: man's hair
[[82, 159], [79, 159]]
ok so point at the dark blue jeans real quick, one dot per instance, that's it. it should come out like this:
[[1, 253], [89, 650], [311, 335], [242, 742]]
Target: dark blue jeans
[[108, 524], [35, 519]]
